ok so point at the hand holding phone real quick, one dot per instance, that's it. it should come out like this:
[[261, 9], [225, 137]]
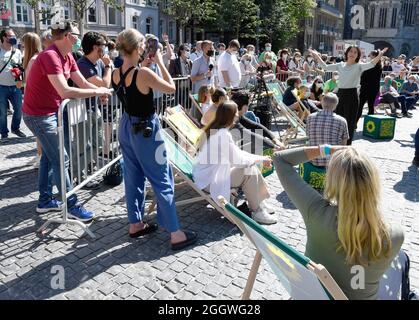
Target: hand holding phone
[[153, 45]]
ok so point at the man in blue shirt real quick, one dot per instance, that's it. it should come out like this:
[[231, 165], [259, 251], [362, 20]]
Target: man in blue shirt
[[95, 67], [202, 73], [410, 89]]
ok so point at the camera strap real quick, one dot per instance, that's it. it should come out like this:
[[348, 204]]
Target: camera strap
[[10, 58]]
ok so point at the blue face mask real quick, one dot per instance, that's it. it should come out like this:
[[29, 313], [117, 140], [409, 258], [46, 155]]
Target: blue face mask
[[13, 41], [77, 45]]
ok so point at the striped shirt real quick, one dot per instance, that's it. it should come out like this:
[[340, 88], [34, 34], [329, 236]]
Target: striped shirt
[[326, 127]]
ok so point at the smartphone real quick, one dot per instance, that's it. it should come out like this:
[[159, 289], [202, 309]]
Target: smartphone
[[153, 45]]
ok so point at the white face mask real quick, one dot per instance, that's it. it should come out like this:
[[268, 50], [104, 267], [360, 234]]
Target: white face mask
[[268, 48], [411, 81], [285, 57], [319, 85], [268, 60], [309, 60], [114, 54], [336, 77], [307, 95], [246, 62]]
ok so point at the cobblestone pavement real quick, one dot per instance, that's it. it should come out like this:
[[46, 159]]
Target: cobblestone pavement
[[115, 267]]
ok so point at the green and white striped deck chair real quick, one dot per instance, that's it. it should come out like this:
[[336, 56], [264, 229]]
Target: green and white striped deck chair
[[302, 278], [296, 133], [182, 163], [195, 102]]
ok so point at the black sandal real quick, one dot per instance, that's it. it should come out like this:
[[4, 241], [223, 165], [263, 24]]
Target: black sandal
[[149, 228], [191, 238]]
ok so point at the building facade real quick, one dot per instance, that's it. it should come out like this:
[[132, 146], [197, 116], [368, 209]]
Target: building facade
[[144, 15], [391, 23], [325, 26]]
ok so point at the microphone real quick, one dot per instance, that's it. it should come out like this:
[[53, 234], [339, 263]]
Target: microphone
[[210, 67]]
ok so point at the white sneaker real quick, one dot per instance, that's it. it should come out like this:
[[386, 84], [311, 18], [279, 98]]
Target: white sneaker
[[263, 217], [265, 206]]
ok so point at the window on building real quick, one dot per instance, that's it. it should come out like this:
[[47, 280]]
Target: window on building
[[372, 17], [149, 2], [171, 30], [135, 1], [21, 11], [161, 29], [135, 22], [111, 15], [382, 22], [66, 13], [92, 13], [394, 18], [409, 17], [46, 15], [149, 25]]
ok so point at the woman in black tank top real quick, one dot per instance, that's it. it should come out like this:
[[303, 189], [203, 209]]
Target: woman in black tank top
[[141, 142]]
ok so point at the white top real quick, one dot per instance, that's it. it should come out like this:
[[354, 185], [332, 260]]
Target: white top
[[214, 162], [6, 77], [205, 107], [349, 75], [228, 62], [397, 68]]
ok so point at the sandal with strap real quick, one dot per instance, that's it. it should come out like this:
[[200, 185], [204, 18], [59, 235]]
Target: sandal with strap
[[191, 238], [148, 228]]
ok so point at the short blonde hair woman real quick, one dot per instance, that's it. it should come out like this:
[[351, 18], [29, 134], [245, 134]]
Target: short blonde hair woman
[[141, 140], [345, 227]]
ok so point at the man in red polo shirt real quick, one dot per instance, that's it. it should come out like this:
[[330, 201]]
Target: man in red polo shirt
[[46, 88]]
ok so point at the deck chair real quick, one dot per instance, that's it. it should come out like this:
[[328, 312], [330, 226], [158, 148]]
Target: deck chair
[[296, 133], [195, 102], [302, 278], [182, 124]]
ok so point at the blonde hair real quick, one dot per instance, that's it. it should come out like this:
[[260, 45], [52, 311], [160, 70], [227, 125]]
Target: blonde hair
[[33, 46], [353, 184], [129, 40]]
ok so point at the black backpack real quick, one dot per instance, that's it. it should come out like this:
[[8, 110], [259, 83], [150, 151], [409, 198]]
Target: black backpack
[[115, 174]]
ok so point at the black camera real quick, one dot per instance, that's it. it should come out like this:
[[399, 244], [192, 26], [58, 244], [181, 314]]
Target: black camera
[[143, 127]]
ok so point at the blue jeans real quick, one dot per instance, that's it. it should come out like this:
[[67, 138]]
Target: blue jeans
[[45, 129], [14, 95], [147, 158], [417, 143], [411, 99]]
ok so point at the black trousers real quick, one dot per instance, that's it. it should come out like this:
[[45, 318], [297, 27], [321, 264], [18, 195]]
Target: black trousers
[[348, 108], [367, 95]]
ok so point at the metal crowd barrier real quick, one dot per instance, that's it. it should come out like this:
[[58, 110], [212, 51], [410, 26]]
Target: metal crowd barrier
[[89, 136], [88, 132]]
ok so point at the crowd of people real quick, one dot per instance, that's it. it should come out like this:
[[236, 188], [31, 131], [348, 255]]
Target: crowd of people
[[345, 226]]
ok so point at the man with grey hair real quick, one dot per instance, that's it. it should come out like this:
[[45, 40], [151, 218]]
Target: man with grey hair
[[326, 127], [46, 39]]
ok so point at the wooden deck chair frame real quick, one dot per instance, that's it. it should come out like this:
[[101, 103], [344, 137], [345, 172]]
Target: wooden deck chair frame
[[327, 281], [296, 124], [195, 103], [186, 139]]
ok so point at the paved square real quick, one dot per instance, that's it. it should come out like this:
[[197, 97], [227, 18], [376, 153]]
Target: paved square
[[115, 267]]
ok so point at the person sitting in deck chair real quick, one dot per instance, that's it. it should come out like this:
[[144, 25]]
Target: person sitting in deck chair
[[346, 230], [221, 165]]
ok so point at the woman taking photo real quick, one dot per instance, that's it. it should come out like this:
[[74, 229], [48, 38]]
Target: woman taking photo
[[350, 73], [141, 142], [345, 227], [222, 165]]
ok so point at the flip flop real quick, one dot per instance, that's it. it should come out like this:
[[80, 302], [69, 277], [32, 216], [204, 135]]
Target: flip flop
[[191, 238], [149, 228]]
